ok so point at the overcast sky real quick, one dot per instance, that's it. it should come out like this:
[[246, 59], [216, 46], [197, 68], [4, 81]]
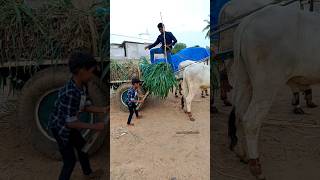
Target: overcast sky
[[184, 18]]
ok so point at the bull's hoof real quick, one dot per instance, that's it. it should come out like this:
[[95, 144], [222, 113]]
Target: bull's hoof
[[241, 154], [192, 119], [255, 169], [190, 116], [298, 111], [261, 177], [203, 96], [311, 105], [207, 95], [176, 96]]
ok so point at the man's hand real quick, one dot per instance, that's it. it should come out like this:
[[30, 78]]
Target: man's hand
[[99, 126]]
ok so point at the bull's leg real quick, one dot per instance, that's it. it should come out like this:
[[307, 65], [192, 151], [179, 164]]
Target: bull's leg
[[242, 96], [180, 89], [176, 93], [206, 91], [214, 109], [308, 98], [296, 103], [296, 97], [202, 94], [182, 102], [189, 99], [256, 112]]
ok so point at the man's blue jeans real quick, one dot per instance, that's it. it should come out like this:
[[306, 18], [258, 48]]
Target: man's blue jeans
[[160, 51]]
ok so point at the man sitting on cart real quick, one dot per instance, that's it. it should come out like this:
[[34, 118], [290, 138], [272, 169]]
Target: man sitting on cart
[[170, 42]]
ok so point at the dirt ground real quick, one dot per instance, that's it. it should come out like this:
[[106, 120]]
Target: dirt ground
[[18, 159], [152, 149], [289, 144]]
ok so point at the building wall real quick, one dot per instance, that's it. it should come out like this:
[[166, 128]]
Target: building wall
[[135, 50], [116, 52]]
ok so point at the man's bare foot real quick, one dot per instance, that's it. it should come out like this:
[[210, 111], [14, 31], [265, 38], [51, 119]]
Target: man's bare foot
[[131, 124], [139, 117]]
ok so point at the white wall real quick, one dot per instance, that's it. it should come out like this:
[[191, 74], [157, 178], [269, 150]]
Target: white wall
[[135, 50], [116, 52]]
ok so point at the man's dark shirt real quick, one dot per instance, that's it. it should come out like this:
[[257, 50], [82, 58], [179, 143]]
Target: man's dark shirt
[[170, 39]]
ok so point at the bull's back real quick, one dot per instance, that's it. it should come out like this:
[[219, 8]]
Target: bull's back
[[281, 37], [198, 74]]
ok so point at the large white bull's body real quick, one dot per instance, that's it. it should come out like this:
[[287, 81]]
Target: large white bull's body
[[195, 77], [275, 46], [236, 8], [179, 75]]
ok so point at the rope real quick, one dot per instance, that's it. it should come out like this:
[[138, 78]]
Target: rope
[[195, 62]]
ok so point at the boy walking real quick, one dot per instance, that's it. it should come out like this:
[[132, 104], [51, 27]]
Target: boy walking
[[64, 121], [132, 99]]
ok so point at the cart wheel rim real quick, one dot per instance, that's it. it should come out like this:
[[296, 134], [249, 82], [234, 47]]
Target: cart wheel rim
[[124, 95], [45, 106]]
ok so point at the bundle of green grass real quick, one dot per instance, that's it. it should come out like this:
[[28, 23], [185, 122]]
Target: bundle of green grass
[[159, 78]]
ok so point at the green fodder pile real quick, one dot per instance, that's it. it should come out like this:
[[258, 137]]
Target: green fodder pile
[[159, 79]]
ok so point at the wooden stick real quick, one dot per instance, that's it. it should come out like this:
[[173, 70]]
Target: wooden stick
[[164, 38], [187, 132]]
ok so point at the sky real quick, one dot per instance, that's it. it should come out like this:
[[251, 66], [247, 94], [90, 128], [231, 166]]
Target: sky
[[184, 18]]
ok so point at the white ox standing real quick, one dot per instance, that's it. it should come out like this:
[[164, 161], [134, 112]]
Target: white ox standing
[[179, 76], [236, 8], [195, 77], [277, 45]]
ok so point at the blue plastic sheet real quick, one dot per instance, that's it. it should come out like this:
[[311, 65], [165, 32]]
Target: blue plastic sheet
[[215, 9], [192, 53]]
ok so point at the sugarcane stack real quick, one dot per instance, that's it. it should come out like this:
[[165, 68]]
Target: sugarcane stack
[[121, 71], [51, 31]]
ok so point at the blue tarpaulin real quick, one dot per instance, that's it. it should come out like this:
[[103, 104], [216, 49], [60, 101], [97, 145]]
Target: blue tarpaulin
[[192, 53], [215, 9]]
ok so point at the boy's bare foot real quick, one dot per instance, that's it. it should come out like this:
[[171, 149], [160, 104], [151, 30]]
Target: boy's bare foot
[[95, 174], [131, 124]]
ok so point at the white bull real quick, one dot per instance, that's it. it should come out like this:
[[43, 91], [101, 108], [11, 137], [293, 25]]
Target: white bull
[[195, 77], [236, 8], [179, 75], [183, 65], [275, 46]]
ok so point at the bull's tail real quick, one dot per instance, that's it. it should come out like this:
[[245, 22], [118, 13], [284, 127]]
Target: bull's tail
[[232, 129], [185, 89]]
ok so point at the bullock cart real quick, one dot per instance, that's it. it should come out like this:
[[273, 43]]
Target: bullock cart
[[123, 71]]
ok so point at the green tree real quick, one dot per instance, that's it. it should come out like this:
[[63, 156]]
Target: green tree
[[207, 28], [178, 47]]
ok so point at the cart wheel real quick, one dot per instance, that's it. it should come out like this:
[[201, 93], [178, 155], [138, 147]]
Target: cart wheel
[[35, 105], [121, 96]]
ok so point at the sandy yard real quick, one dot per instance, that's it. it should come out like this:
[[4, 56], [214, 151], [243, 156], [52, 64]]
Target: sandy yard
[[151, 150], [289, 144], [18, 159]]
